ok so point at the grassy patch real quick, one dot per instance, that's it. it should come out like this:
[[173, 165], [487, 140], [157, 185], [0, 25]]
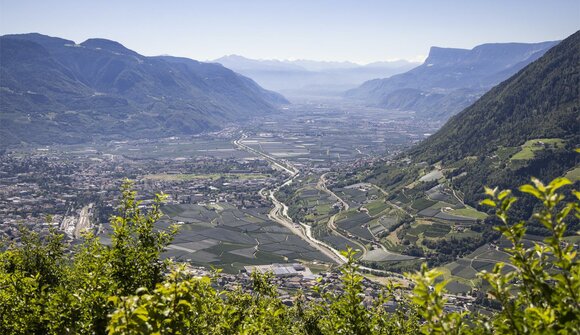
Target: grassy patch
[[531, 146], [323, 209], [379, 255], [505, 153], [422, 203], [469, 212], [437, 230], [574, 174], [376, 207]]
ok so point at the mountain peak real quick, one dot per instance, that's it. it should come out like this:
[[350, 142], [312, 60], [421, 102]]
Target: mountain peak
[[506, 54], [500, 118], [109, 90], [44, 40], [105, 44], [441, 56], [232, 57], [456, 76]]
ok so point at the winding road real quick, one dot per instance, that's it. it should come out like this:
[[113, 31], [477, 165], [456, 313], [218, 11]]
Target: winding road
[[280, 211]]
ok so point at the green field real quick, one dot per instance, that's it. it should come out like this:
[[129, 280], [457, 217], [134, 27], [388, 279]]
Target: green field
[[376, 207], [429, 230], [531, 146], [505, 153], [469, 212], [316, 204], [574, 174], [464, 270], [422, 203], [379, 255]]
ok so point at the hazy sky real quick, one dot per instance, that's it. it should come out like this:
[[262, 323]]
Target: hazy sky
[[358, 30]]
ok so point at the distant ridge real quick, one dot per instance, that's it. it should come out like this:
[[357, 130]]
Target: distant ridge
[[540, 101], [450, 79], [54, 90], [305, 77], [527, 126]]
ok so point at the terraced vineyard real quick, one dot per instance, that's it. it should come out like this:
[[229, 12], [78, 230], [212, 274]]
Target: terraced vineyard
[[422, 218], [355, 216]]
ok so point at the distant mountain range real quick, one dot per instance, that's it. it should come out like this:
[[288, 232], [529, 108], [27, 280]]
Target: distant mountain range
[[307, 77], [449, 79], [54, 90]]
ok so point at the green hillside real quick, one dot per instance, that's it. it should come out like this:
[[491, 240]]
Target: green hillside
[[541, 101], [56, 91], [527, 126]]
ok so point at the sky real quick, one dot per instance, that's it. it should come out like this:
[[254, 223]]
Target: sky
[[360, 31]]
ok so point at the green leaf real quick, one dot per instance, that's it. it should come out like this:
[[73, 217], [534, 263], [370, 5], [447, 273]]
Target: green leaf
[[557, 183], [184, 303], [488, 202], [531, 190], [539, 185], [489, 191], [504, 194]]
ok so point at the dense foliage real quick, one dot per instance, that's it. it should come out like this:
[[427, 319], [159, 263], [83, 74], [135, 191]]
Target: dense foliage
[[125, 287]]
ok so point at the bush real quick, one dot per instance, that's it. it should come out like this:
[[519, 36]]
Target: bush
[[540, 297]]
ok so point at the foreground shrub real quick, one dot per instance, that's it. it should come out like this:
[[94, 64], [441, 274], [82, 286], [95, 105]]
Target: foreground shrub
[[126, 288]]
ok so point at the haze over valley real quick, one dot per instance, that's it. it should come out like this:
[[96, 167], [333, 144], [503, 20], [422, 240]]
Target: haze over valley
[[312, 78]]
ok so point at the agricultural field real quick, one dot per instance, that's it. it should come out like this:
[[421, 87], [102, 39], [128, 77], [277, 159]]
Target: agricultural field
[[464, 270], [337, 241], [178, 148], [380, 255], [432, 176], [370, 216], [276, 146], [530, 147], [442, 227], [386, 222], [306, 203], [358, 194], [422, 204], [323, 135], [355, 224], [574, 174], [440, 203], [225, 237], [468, 212]]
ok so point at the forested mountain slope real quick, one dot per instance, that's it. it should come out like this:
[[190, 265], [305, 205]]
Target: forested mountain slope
[[54, 90]]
